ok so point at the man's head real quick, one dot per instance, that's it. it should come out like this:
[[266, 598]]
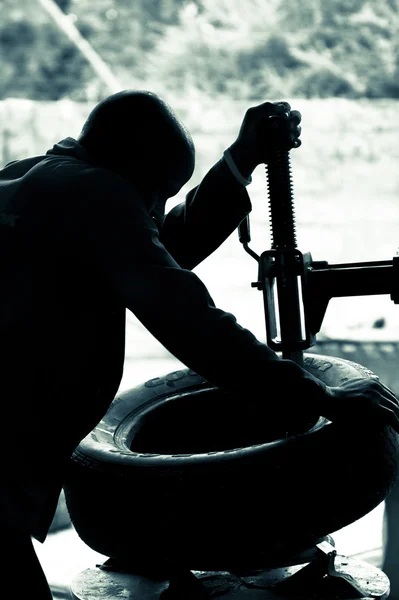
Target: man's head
[[137, 134]]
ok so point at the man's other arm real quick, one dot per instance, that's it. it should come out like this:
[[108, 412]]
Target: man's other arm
[[175, 306], [194, 229]]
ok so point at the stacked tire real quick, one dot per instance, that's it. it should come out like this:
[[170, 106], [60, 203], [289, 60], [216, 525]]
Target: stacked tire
[[179, 473]]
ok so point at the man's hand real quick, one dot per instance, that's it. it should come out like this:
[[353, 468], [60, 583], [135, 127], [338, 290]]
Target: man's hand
[[362, 400], [266, 128]]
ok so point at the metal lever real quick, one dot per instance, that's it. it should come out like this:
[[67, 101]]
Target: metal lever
[[244, 236]]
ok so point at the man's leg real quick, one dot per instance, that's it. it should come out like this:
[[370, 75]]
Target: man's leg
[[21, 575]]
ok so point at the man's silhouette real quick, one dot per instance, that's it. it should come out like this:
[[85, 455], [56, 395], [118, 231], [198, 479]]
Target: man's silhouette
[[83, 237]]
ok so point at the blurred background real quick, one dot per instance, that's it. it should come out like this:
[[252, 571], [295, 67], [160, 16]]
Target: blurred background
[[337, 62]]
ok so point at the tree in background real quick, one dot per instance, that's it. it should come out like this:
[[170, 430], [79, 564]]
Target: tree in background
[[40, 62], [357, 38], [244, 50], [284, 48], [37, 61]]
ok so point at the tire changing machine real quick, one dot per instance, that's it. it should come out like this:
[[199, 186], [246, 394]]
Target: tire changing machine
[[296, 291]]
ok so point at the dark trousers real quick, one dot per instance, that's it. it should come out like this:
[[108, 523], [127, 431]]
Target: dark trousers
[[21, 575]]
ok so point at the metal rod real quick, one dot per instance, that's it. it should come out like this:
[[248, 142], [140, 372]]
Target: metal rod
[[377, 263], [354, 281], [281, 201], [282, 223], [85, 48]]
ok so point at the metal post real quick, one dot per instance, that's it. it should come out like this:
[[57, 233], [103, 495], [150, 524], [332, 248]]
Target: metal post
[[282, 222], [85, 48]]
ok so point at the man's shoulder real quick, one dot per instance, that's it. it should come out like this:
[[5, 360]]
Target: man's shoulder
[[104, 184], [69, 174]]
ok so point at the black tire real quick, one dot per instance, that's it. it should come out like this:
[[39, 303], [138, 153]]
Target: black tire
[[162, 478]]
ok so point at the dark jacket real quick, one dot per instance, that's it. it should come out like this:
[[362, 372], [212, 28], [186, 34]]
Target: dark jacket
[[78, 247]]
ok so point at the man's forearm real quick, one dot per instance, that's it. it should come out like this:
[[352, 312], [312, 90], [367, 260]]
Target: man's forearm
[[193, 230], [242, 159]]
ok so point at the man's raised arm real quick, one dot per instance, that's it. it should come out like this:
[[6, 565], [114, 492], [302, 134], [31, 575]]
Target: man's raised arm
[[195, 228]]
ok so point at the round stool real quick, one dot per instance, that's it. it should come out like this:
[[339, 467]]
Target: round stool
[[318, 573]]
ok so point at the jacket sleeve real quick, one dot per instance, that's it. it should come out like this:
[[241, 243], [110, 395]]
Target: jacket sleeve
[[194, 229], [174, 305]]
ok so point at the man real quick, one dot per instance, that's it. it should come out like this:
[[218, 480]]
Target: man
[[83, 236]]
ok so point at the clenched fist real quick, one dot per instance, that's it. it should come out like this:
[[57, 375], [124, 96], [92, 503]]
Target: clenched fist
[[265, 128]]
